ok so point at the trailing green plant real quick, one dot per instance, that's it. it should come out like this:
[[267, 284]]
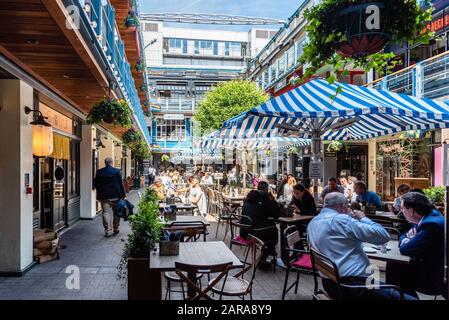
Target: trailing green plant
[[131, 137], [293, 150], [146, 231], [112, 111], [144, 88], [141, 150], [165, 158], [435, 194], [268, 153], [407, 22], [335, 146]]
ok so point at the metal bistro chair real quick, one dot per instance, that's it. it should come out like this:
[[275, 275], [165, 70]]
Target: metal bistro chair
[[298, 259], [223, 213], [236, 225], [191, 232], [182, 270], [237, 286], [323, 266]]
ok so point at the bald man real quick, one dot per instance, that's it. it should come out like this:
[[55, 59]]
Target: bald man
[[109, 185]]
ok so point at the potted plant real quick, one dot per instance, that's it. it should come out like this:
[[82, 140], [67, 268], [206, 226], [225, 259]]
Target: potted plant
[[354, 33], [111, 111], [131, 137], [268, 153], [132, 20], [293, 150], [335, 146], [141, 150], [140, 66], [146, 230]]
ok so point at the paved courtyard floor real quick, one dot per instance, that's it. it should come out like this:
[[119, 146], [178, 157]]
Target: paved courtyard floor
[[97, 258]]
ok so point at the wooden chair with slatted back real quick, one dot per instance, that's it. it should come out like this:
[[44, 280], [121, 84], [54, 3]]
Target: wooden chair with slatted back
[[184, 270], [237, 285]]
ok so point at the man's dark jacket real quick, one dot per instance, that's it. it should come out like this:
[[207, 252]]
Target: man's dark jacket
[[109, 184]]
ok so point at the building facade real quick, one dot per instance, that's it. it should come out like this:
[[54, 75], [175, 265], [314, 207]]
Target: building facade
[[183, 65], [57, 58]]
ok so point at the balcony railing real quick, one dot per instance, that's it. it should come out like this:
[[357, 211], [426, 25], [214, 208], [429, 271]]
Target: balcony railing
[[426, 79], [174, 104], [100, 15]]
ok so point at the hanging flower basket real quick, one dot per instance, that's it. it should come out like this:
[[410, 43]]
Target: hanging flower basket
[[131, 137], [141, 150], [268, 153], [111, 111], [294, 80], [140, 66], [132, 20], [354, 33], [293, 150]]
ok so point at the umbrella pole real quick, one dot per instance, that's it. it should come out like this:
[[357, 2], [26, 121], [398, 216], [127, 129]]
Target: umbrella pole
[[316, 157]]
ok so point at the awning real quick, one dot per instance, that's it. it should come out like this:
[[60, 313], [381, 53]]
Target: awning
[[356, 113]]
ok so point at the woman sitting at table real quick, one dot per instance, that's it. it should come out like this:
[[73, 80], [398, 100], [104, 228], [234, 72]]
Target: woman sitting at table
[[197, 196], [303, 202], [263, 210], [159, 189]]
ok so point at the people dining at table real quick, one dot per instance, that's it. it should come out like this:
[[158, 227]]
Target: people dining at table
[[196, 196], [366, 197], [207, 178], [332, 186], [159, 188], [262, 210], [265, 187], [424, 243], [302, 201], [339, 234]]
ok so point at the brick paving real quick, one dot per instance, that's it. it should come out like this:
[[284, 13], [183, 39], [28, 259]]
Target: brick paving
[[97, 258]]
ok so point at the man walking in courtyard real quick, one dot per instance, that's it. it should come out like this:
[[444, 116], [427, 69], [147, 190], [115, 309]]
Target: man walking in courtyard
[[109, 185]]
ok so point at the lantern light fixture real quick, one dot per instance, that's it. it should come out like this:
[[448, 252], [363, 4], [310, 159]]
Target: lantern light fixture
[[42, 134]]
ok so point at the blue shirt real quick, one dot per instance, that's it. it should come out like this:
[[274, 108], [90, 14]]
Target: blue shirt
[[370, 197], [340, 237]]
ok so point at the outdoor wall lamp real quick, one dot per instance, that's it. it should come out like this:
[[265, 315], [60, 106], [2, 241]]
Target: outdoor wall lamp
[[42, 134]]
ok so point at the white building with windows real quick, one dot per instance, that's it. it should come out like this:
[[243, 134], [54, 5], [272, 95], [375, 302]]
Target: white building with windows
[[183, 64]]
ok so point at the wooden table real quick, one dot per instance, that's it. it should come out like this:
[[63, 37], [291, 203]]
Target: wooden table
[[197, 253], [238, 198], [393, 255], [179, 206], [284, 223], [188, 219]]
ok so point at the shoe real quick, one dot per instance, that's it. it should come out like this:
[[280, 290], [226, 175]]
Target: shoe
[[107, 235], [116, 232]]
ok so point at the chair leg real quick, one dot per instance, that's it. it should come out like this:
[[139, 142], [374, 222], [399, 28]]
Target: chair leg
[[297, 282], [218, 224], [183, 293], [226, 231], [284, 291], [167, 289]]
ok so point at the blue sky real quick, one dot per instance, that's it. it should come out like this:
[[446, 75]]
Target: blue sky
[[279, 9]]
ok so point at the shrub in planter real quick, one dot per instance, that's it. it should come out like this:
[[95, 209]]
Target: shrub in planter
[[354, 32], [131, 136], [146, 230], [111, 111], [436, 195]]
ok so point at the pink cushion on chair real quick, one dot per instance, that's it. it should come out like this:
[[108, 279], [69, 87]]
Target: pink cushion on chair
[[240, 240], [303, 261]]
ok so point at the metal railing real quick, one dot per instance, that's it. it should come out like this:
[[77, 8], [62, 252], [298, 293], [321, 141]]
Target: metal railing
[[426, 79], [100, 14], [174, 104]]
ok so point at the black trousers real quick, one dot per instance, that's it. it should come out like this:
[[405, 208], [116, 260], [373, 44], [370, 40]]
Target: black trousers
[[270, 239]]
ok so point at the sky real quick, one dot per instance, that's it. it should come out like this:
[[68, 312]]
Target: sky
[[279, 9]]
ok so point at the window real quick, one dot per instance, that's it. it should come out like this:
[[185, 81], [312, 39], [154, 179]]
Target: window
[[170, 130], [73, 170], [206, 44], [175, 43]]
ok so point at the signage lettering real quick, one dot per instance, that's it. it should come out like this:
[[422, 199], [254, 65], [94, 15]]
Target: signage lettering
[[373, 20]]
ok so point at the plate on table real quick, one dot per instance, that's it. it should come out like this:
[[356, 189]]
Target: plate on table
[[369, 250]]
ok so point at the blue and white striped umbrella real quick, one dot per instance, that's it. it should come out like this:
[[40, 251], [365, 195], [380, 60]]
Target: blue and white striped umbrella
[[356, 113]]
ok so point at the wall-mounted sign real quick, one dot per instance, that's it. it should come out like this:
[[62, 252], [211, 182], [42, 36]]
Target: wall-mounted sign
[[175, 116], [280, 85], [330, 154], [56, 119], [316, 170]]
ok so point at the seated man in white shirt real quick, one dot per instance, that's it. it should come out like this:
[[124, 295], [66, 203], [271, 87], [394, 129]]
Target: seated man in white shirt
[[339, 235]]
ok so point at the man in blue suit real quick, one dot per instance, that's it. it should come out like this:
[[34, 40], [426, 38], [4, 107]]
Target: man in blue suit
[[109, 185], [424, 243]]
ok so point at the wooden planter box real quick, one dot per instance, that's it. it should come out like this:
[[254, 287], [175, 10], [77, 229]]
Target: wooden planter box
[[141, 282]]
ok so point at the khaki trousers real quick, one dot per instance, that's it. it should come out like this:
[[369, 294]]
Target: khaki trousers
[[111, 221]]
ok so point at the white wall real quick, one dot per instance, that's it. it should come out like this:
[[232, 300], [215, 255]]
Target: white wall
[[87, 196], [16, 160]]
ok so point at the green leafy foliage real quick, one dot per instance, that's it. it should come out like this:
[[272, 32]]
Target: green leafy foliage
[[165, 157], [227, 100], [112, 111], [131, 137], [407, 23], [141, 150], [435, 194], [146, 230]]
